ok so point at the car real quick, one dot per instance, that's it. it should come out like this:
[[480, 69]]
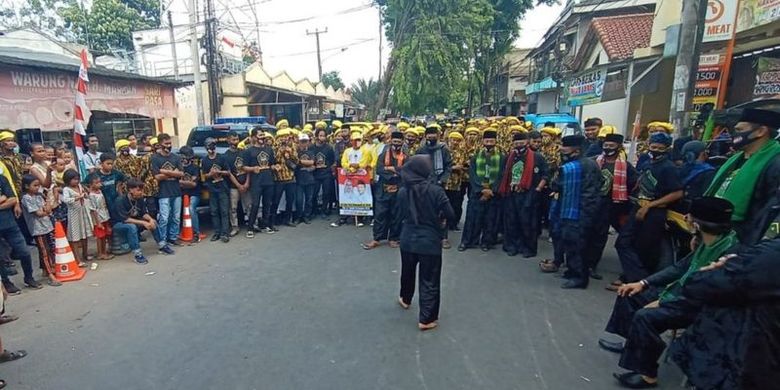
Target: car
[[566, 122]]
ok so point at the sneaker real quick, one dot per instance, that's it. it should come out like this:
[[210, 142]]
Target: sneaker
[[307, 221], [141, 259], [360, 224], [33, 284], [196, 239], [250, 234], [335, 224], [175, 243], [234, 232], [11, 288], [268, 230], [225, 239], [215, 237], [166, 250]]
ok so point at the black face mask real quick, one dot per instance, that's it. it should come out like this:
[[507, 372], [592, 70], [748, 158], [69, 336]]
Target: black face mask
[[125, 152], [568, 157], [397, 147], [210, 148], [490, 148], [167, 148], [431, 142], [610, 152], [656, 156], [742, 139]]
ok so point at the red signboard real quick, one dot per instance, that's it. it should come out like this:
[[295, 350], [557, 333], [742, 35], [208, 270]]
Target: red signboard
[[44, 99]]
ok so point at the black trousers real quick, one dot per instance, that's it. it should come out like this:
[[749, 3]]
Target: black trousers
[[624, 309], [521, 223], [644, 345], [387, 219], [219, 205], [289, 189], [430, 283], [261, 195], [609, 214], [324, 189], [573, 245], [639, 244], [456, 201], [305, 201], [481, 227]]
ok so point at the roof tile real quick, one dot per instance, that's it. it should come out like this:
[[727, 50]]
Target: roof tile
[[620, 35]]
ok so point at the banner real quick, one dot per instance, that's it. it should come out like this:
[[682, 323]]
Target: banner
[[355, 193], [754, 13], [720, 20], [708, 78], [767, 77], [41, 99], [586, 88]]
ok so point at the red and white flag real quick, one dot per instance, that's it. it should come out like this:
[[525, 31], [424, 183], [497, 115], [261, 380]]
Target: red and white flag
[[81, 114]]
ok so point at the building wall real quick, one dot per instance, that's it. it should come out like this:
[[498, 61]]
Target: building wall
[[612, 112], [546, 102]]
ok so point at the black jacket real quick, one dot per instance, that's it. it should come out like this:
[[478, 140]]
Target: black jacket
[[424, 237], [440, 174]]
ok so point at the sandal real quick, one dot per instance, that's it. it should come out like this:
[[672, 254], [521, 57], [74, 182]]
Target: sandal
[[370, 245], [7, 319], [106, 257], [548, 266], [83, 265], [53, 282], [8, 356]]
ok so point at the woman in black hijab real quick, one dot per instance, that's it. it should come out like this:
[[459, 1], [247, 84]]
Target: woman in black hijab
[[421, 204]]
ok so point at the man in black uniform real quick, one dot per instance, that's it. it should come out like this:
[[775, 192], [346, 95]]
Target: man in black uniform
[[525, 176], [387, 222], [324, 160], [258, 160], [215, 170]]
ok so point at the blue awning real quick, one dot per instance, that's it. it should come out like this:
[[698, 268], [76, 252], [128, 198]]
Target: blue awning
[[546, 84]]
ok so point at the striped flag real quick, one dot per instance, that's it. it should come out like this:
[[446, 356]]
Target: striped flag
[[81, 114]]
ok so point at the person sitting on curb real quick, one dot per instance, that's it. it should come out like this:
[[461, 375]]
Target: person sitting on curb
[[129, 216]]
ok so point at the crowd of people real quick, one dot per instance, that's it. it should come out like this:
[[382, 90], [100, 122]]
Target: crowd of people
[[695, 221]]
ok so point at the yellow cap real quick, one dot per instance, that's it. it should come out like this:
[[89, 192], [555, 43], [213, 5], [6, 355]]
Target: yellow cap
[[419, 130], [517, 128], [435, 126], [337, 124], [472, 130], [607, 129], [308, 126], [320, 125], [553, 131], [6, 135], [512, 120], [281, 123], [122, 143], [267, 135], [403, 126], [283, 132], [356, 135], [153, 141], [455, 135], [666, 126]]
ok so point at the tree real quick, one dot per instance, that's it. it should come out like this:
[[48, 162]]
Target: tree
[[443, 49], [38, 14], [332, 79], [367, 94], [109, 24]]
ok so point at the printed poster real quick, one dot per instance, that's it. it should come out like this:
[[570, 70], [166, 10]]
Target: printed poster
[[355, 193]]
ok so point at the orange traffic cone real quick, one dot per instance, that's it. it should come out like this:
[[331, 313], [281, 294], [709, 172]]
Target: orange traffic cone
[[66, 269], [186, 231]]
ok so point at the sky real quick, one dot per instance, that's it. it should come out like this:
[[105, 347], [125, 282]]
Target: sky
[[351, 44]]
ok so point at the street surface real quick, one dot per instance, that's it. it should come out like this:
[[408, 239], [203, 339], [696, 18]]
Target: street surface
[[307, 308]]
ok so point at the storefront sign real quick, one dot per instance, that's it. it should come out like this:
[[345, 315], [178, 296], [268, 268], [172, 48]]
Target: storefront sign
[[720, 19], [44, 100], [767, 77], [707, 80], [587, 88], [754, 13]]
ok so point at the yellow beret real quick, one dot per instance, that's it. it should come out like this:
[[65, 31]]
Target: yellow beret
[[668, 127], [512, 120], [122, 143], [356, 135], [472, 130], [282, 122], [337, 124], [455, 135], [283, 132], [435, 126], [153, 141], [308, 126], [607, 129], [320, 125], [267, 135], [553, 131], [517, 128], [403, 126], [410, 130], [6, 135]]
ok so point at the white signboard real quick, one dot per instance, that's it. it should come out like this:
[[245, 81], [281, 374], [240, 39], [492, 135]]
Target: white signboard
[[720, 21]]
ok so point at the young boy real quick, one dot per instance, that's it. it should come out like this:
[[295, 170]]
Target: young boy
[[130, 215], [111, 179]]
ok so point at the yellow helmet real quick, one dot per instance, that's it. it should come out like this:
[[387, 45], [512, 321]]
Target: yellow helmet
[[472, 130], [308, 126], [283, 132]]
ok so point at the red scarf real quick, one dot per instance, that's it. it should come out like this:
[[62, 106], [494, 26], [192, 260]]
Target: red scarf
[[399, 157], [528, 172], [620, 178]]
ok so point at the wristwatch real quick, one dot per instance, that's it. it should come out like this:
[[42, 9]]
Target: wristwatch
[[644, 283]]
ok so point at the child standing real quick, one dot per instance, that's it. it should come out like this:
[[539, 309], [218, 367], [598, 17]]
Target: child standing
[[37, 215], [98, 211], [79, 221]]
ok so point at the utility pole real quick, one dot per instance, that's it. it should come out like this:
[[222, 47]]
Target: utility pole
[[687, 63], [213, 66], [317, 33], [173, 47], [195, 57], [253, 6]]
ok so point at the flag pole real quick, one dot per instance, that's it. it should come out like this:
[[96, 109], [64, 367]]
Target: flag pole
[[81, 114]]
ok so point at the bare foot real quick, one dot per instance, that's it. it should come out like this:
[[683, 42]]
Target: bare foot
[[428, 326]]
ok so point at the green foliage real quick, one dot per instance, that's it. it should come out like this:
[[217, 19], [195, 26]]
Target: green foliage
[[38, 14], [332, 79], [109, 23], [367, 94], [444, 49]]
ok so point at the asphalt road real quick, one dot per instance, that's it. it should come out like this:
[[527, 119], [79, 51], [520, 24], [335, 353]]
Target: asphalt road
[[307, 308]]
